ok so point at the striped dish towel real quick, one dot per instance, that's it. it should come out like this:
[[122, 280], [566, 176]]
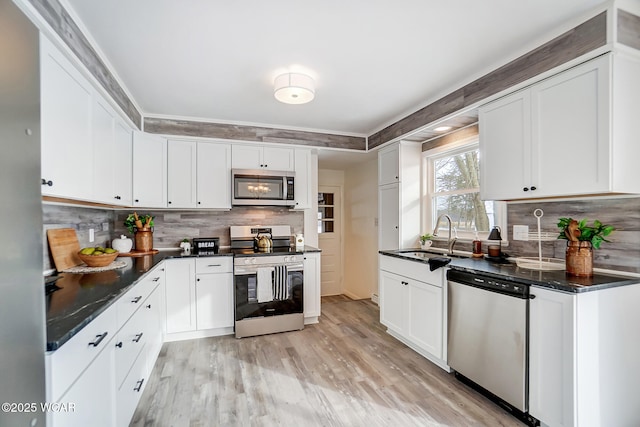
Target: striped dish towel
[[280, 288]]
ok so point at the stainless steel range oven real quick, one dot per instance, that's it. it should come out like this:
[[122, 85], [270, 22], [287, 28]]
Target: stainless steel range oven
[[269, 282]]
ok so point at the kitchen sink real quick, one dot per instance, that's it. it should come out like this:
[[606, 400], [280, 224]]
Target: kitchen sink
[[425, 254]]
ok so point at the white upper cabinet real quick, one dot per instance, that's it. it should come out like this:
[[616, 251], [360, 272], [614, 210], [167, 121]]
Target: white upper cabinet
[[123, 164], [571, 134], [67, 151], [303, 178], [262, 157], [149, 170], [214, 176], [388, 165], [181, 174], [112, 154], [399, 196]]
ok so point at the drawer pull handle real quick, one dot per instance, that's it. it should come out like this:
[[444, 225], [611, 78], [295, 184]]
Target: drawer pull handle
[[214, 265], [138, 386], [136, 299], [156, 279], [137, 338], [98, 340], [119, 345]]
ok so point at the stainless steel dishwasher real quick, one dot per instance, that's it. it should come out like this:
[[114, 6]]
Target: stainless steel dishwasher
[[489, 337]]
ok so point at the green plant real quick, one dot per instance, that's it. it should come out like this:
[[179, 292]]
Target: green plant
[[425, 237], [595, 233], [134, 221]]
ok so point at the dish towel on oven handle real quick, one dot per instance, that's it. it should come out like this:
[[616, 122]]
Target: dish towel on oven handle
[[264, 286], [280, 288]]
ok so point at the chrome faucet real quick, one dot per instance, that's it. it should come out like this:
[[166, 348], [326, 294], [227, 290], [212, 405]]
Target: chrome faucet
[[451, 241]]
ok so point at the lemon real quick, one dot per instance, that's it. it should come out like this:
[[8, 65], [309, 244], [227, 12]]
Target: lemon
[[110, 251], [87, 251]]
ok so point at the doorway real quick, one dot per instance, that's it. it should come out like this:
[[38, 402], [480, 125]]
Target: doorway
[[330, 238]]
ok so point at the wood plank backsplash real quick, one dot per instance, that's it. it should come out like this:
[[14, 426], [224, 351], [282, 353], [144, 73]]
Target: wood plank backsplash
[[623, 253], [170, 226]]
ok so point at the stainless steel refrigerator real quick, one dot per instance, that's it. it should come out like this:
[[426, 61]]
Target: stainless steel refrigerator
[[22, 304]]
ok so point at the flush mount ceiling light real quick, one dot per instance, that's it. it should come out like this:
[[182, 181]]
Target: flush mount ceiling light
[[442, 129], [294, 88]]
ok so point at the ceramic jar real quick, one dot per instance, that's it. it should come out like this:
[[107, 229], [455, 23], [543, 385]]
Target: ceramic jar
[[122, 244], [579, 258]]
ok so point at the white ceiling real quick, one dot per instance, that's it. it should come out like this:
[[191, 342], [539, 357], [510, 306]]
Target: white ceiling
[[374, 61]]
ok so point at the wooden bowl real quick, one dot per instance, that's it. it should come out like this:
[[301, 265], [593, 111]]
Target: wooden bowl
[[98, 260]]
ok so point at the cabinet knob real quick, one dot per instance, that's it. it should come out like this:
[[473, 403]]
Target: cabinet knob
[[266, 166], [525, 189], [45, 182], [198, 279], [405, 283], [148, 306], [169, 202], [533, 188], [199, 203], [117, 197], [136, 200], [119, 345], [396, 227]]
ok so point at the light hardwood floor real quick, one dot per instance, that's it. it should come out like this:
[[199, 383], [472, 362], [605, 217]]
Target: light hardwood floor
[[344, 371]]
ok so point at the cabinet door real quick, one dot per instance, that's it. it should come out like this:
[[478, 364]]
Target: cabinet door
[[93, 396], [246, 156], [425, 316], [181, 174], [280, 159], [214, 301], [551, 355], [122, 165], [180, 295], [312, 268], [392, 301], [214, 176], [388, 217], [303, 178], [103, 132], [149, 170], [570, 117], [67, 151], [153, 320], [505, 147], [388, 165]]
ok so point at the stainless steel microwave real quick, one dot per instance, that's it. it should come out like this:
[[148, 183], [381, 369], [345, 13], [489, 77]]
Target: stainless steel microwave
[[262, 188]]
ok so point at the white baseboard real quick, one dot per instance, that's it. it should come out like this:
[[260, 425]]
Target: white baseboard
[[374, 298]]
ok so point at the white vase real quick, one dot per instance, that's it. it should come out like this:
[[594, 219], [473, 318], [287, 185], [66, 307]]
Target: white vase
[[123, 244], [426, 245]]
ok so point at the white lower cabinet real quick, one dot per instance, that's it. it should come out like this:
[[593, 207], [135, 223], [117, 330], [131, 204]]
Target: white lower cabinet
[[180, 295], [199, 297], [92, 396], [311, 294], [583, 357], [412, 306], [214, 293]]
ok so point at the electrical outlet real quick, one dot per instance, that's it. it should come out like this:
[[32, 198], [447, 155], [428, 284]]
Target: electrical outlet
[[92, 235], [520, 232]]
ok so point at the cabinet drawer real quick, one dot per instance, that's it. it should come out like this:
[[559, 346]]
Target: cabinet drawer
[[134, 298], [69, 361], [412, 269], [128, 395], [214, 265], [129, 343]]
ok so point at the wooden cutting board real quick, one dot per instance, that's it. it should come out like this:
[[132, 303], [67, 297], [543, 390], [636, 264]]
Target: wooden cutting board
[[64, 246]]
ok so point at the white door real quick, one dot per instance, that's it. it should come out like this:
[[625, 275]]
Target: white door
[[330, 239]]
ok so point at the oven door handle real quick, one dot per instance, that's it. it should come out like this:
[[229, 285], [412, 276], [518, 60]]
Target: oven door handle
[[250, 270]]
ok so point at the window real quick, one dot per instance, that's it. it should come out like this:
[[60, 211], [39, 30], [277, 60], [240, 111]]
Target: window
[[325, 213], [452, 187]]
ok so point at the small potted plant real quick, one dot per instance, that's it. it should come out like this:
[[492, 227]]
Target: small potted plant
[[425, 241], [582, 239], [142, 228]]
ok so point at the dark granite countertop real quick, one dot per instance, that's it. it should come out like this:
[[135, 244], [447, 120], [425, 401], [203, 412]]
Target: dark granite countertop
[[556, 280], [83, 297]]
